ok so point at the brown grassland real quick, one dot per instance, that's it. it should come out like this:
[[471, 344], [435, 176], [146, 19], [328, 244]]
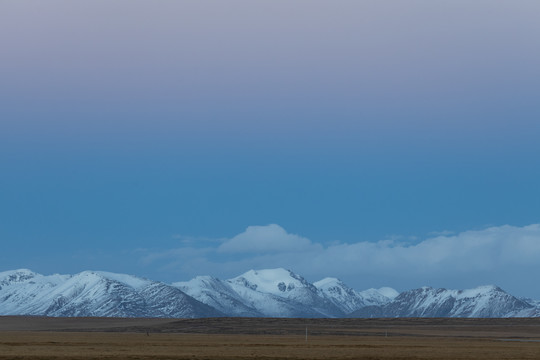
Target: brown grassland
[[252, 338]]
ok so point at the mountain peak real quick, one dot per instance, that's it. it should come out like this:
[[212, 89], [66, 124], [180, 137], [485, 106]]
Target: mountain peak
[[134, 282], [274, 281], [327, 282], [479, 291], [18, 275], [267, 273], [389, 292], [199, 278], [18, 271]]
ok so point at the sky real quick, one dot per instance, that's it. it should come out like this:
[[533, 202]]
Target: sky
[[386, 143]]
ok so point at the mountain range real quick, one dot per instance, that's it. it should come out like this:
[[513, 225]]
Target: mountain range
[[256, 293]]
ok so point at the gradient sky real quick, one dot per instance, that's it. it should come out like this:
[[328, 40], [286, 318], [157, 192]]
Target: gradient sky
[[143, 137]]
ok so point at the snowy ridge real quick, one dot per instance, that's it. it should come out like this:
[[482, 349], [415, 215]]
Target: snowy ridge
[[256, 293], [269, 292], [348, 299], [278, 282], [481, 302], [90, 293], [282, 293]]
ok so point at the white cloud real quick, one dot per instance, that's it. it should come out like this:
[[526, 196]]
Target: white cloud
[[467, 252], [503, 255], [441, 233], [263, 239]]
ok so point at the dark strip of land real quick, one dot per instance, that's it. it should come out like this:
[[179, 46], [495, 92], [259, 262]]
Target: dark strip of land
[[519, 328], [39, 338]]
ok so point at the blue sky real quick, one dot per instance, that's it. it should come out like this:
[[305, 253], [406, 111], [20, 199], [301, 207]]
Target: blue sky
[[140, 137]]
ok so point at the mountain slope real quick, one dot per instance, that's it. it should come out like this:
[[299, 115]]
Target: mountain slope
[[218, 294]]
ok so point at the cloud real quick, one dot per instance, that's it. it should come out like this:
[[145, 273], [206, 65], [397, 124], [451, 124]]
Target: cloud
[[264, 239], [441, 233], [468, 252], [504, 255]]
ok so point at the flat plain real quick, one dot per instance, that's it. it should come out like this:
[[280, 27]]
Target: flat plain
[[262, 338]]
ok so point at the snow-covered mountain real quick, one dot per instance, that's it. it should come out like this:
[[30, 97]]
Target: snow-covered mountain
[[256, 293], [481, 302], [348, 299], [282, 293], [270, 292], [94, 293]]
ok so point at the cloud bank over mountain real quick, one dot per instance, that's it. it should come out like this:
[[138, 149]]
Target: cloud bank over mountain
[[502, 254]]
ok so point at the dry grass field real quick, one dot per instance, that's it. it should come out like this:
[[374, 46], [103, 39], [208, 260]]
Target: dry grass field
[[234, 338]]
